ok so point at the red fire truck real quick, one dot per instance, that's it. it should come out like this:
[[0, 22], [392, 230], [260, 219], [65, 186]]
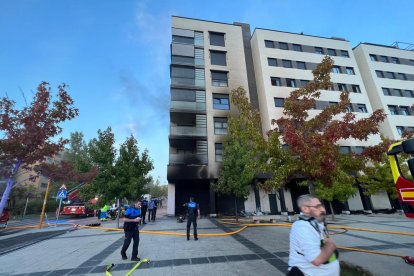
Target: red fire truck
[[76, 208]]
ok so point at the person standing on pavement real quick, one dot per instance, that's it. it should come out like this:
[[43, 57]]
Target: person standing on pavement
[[131, 230], [312, 251], [104, 211], [154, 213], [144, 208], [193, 211], [150, 210]]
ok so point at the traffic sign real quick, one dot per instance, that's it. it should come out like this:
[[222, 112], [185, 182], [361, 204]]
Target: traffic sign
[[63, 187], [62, 194]]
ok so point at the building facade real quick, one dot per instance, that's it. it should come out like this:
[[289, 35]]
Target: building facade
[[209, 59]]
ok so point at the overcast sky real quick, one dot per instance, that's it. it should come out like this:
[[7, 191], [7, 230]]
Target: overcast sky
[[115, 54]]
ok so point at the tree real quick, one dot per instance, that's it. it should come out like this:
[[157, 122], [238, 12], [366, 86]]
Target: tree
[[156, 190], [132, 169], [77, 154], [102, 153], [240, 150], [313, 139], [28, 133]]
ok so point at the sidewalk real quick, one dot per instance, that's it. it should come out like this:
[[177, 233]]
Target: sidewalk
[[255, 251]]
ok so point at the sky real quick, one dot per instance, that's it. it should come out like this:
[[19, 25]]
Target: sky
[[115, 54]]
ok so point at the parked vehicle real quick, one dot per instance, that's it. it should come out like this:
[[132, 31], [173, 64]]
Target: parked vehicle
[[4, 218], [78, 209]]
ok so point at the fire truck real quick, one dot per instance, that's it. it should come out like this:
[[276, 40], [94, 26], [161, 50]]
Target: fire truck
[[404, 186], [74, 207]]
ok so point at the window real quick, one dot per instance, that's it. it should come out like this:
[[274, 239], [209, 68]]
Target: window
[[279, 102], [383, 59], [389, 75], [344, 150], [404, 110], [380, 74], [331, 52], [182, 75], [275, 81], [356, 89], [291, 82], [301, 65], [373, 57], [362, 108], [342, 87], [318, 50], [410, 129], [272, 61], [303, 83], [386, 91], [182, 39], [182, 60], [349, 108], [336, 69], [218, 58], [217, 39], [408, 94], [393, 109], [411, 62], [221, 101], [333, 103], [297, 48], [287, 63], [402, 76], [344, 53], [269, 44], [220, 126], [283, 46], [395, 60], [43, 185], [359, 150], [219, 152], [219, 78], [400, 130], [350, 71], [397, 92]]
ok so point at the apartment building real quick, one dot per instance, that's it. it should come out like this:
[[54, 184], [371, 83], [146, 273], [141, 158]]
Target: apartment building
[[209, 59], [207, 62], [388, 74]]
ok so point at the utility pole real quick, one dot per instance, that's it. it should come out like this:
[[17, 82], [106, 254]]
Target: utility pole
[[44, 204]]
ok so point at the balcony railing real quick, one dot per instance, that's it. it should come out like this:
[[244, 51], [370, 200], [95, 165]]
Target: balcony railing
[[188, 131], [191, 106], [187, 82], [188, 158]]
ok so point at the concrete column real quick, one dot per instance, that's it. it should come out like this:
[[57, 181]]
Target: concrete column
[[212, 199], [171, 200], [282, 201]]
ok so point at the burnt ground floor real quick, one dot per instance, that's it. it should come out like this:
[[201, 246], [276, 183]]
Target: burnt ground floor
[[281, 201]]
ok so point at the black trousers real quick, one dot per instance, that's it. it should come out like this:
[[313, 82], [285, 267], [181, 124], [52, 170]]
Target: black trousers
[[150, 211], [154, 213], [194, 221], [129, 235], [143, 214]]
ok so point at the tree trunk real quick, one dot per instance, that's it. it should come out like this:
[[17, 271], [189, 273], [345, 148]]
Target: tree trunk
[[235, 205], [9, 186], [332, 210]]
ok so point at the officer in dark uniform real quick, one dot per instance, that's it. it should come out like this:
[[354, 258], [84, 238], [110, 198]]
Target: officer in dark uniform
[[193, 211], [131, 229], [144, 208]]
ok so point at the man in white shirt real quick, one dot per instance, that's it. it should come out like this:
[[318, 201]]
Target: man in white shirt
[[312, 251]]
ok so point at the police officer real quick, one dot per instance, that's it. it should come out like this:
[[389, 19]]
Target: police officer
[[144, 208], [193, 211], [131, 230]]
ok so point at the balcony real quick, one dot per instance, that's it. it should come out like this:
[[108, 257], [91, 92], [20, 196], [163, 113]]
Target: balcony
[[189, 159], [187, 82], [188, 131], [188, 106]]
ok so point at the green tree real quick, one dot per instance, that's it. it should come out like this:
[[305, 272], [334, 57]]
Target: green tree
[[157, 190], [240, 150], [132, 170], [102, 153]]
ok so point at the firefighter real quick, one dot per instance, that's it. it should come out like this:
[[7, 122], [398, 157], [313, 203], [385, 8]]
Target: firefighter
[[131, 230], [193, 211]]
